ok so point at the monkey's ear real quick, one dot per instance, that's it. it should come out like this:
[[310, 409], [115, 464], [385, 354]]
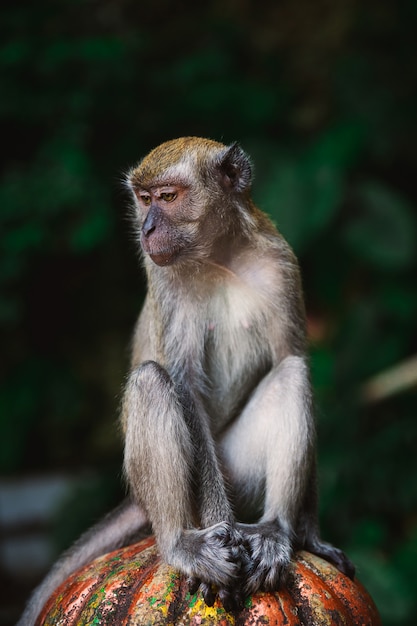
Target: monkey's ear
[[235, 169]]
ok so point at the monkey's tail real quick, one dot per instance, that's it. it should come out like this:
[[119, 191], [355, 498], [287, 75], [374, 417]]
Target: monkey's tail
[[119, 528]]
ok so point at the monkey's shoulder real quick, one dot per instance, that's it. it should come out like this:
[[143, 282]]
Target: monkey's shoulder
[[264, 272], [244, 296]]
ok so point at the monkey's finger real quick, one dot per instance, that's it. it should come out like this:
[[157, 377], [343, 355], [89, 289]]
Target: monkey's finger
[[232, 599], [208, 593], [268, 576], [193, 584]]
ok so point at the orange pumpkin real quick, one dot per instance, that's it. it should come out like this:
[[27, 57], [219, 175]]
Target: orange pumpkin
[[131, 586]]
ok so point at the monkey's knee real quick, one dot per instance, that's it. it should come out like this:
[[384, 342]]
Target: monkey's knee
[[149, 392], [149, 383], [149, 373], [294, 365]]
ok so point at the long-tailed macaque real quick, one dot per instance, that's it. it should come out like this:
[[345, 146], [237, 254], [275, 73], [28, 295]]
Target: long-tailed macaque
[[217, 411]]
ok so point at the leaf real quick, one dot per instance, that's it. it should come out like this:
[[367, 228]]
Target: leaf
[[302, 199], [24, 237], [391, 591], [304, 193], [337, 147], [384, 232], [282, 197], [91, 231]]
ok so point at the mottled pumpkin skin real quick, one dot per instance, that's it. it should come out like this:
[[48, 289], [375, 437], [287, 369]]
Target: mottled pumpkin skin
[[131, 586]]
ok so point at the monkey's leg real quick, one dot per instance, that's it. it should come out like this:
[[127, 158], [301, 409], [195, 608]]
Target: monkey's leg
[[268, 451], [115, 530], [163, 448]]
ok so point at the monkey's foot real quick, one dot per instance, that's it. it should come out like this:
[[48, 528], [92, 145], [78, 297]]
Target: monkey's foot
[[334, 555], [270, 553]]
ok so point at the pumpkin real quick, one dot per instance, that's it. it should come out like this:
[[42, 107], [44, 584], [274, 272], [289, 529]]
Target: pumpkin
[[132, 586]]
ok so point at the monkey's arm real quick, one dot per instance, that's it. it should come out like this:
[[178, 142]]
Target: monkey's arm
[[118, 528]]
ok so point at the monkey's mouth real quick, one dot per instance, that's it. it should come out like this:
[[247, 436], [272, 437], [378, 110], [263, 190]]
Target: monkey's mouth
[[161, 251], [164, 257]]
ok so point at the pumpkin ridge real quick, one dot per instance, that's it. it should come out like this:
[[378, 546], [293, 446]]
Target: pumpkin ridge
[[125, 593], [350, 593], [61, 606], [87, 582], [136, 567], [318, 606], [275, 608], [137, 597]]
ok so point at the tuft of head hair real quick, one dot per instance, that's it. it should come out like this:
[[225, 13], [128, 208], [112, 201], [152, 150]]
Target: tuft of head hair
[[178, 160]]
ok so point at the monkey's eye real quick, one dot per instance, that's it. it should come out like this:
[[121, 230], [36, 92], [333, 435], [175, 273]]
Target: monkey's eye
[[145, 199], [168, 196]]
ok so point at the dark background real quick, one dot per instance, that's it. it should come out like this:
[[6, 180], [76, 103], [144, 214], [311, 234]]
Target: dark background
[[323, 96]]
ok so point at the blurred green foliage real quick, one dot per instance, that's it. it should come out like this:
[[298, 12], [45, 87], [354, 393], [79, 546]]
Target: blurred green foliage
[[323, 96]]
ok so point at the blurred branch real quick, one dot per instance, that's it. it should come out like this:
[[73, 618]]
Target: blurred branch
[[392, 381]]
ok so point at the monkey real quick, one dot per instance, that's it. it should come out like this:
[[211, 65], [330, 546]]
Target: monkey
[[217, 412]]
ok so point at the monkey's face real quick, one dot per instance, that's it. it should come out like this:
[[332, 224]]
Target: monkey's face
[[188, 192], [163, 232]]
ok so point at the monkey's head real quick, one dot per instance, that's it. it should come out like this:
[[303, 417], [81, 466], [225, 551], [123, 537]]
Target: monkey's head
[[188, 194]]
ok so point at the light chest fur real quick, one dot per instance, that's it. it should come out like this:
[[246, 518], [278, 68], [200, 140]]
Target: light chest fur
[[222, 336], [236, 353]]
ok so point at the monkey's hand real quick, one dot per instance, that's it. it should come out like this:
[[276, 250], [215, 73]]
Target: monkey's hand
[[270, 552], [220, 558]]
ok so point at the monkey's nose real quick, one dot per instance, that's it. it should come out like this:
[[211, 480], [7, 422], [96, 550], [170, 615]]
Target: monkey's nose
[[149, 225], [152, 220], [147, 230]]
